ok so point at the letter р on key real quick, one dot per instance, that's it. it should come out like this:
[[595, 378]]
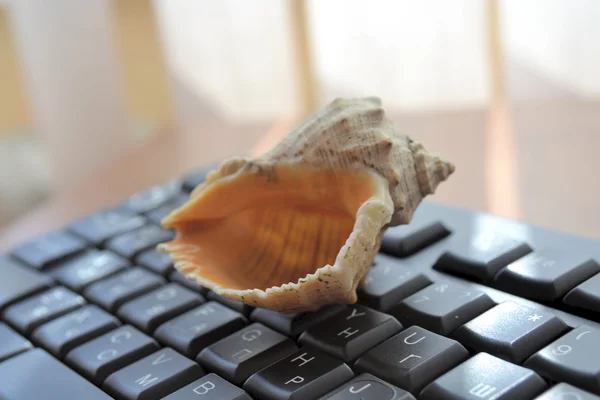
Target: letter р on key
[[296, 379]]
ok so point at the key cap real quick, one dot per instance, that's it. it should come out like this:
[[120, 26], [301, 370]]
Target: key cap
[[412, 358], [574, 358], [388, 284], [481, 256], [442, 307], [485, 377], [101, 226], [293, 324], [510, 331], [48, 248], [91, 266], [110, 293], [156, 262], [210, 387], [176, 276], [158, 214], [11, 343], [586, 295], [36, 375], [66, 332], [405, 240], [150, 310], [41, 308], [367, 386], [152, 377], [110, 352], [132, 243], [306, 374], [153, 197], [351, 332], [19, 281], [564, 391], [245, 352], [238, 306], [192, 331], [545, 275]]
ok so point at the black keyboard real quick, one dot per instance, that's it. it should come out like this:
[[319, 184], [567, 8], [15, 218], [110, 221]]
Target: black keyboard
[[459, 305]]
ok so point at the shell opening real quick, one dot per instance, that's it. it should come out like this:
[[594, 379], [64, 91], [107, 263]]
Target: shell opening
[[256, 230]]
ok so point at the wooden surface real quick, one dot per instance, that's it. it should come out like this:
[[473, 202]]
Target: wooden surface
[[535, 163]]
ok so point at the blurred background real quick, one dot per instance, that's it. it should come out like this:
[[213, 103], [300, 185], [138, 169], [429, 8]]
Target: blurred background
[[508, 90]]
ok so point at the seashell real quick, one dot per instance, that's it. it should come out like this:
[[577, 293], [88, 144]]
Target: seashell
[[298, 227]]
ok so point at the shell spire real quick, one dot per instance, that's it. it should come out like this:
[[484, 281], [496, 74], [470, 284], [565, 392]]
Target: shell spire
[[299, 226]]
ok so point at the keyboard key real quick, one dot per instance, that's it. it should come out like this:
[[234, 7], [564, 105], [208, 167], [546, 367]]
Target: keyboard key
[[245, 352], [155, 261], [564, 391], [36, 375], [46, 249], [41, 308], [78, 272], [412, 358], [175, 276], [210, 387], [367, 386], [388, 284], [238, 306], [153, 197], [405, 240], [158, 214], [11, 343], [65, 333], [573, 358], [19, 281], [150, 310], [485, 377], [306, 374], [349, 333], [442, 307], [153, 377], [545, 275], [481, 256], [293, 324], [192, 331], [112, 292], [99, 227], [110, 352], [586, 295], [132, 243], [510, 331]]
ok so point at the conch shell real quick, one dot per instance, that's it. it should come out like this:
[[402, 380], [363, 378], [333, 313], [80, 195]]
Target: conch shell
[[298, 227]]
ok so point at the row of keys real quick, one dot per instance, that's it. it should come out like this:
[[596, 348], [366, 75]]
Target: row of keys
[[365, 326], [151, 310], [366, 329], [544, 274], [154, 376], [306, 373], [127, 229]]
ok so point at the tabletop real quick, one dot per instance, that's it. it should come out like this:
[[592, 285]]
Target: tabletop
[[530, 162]]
